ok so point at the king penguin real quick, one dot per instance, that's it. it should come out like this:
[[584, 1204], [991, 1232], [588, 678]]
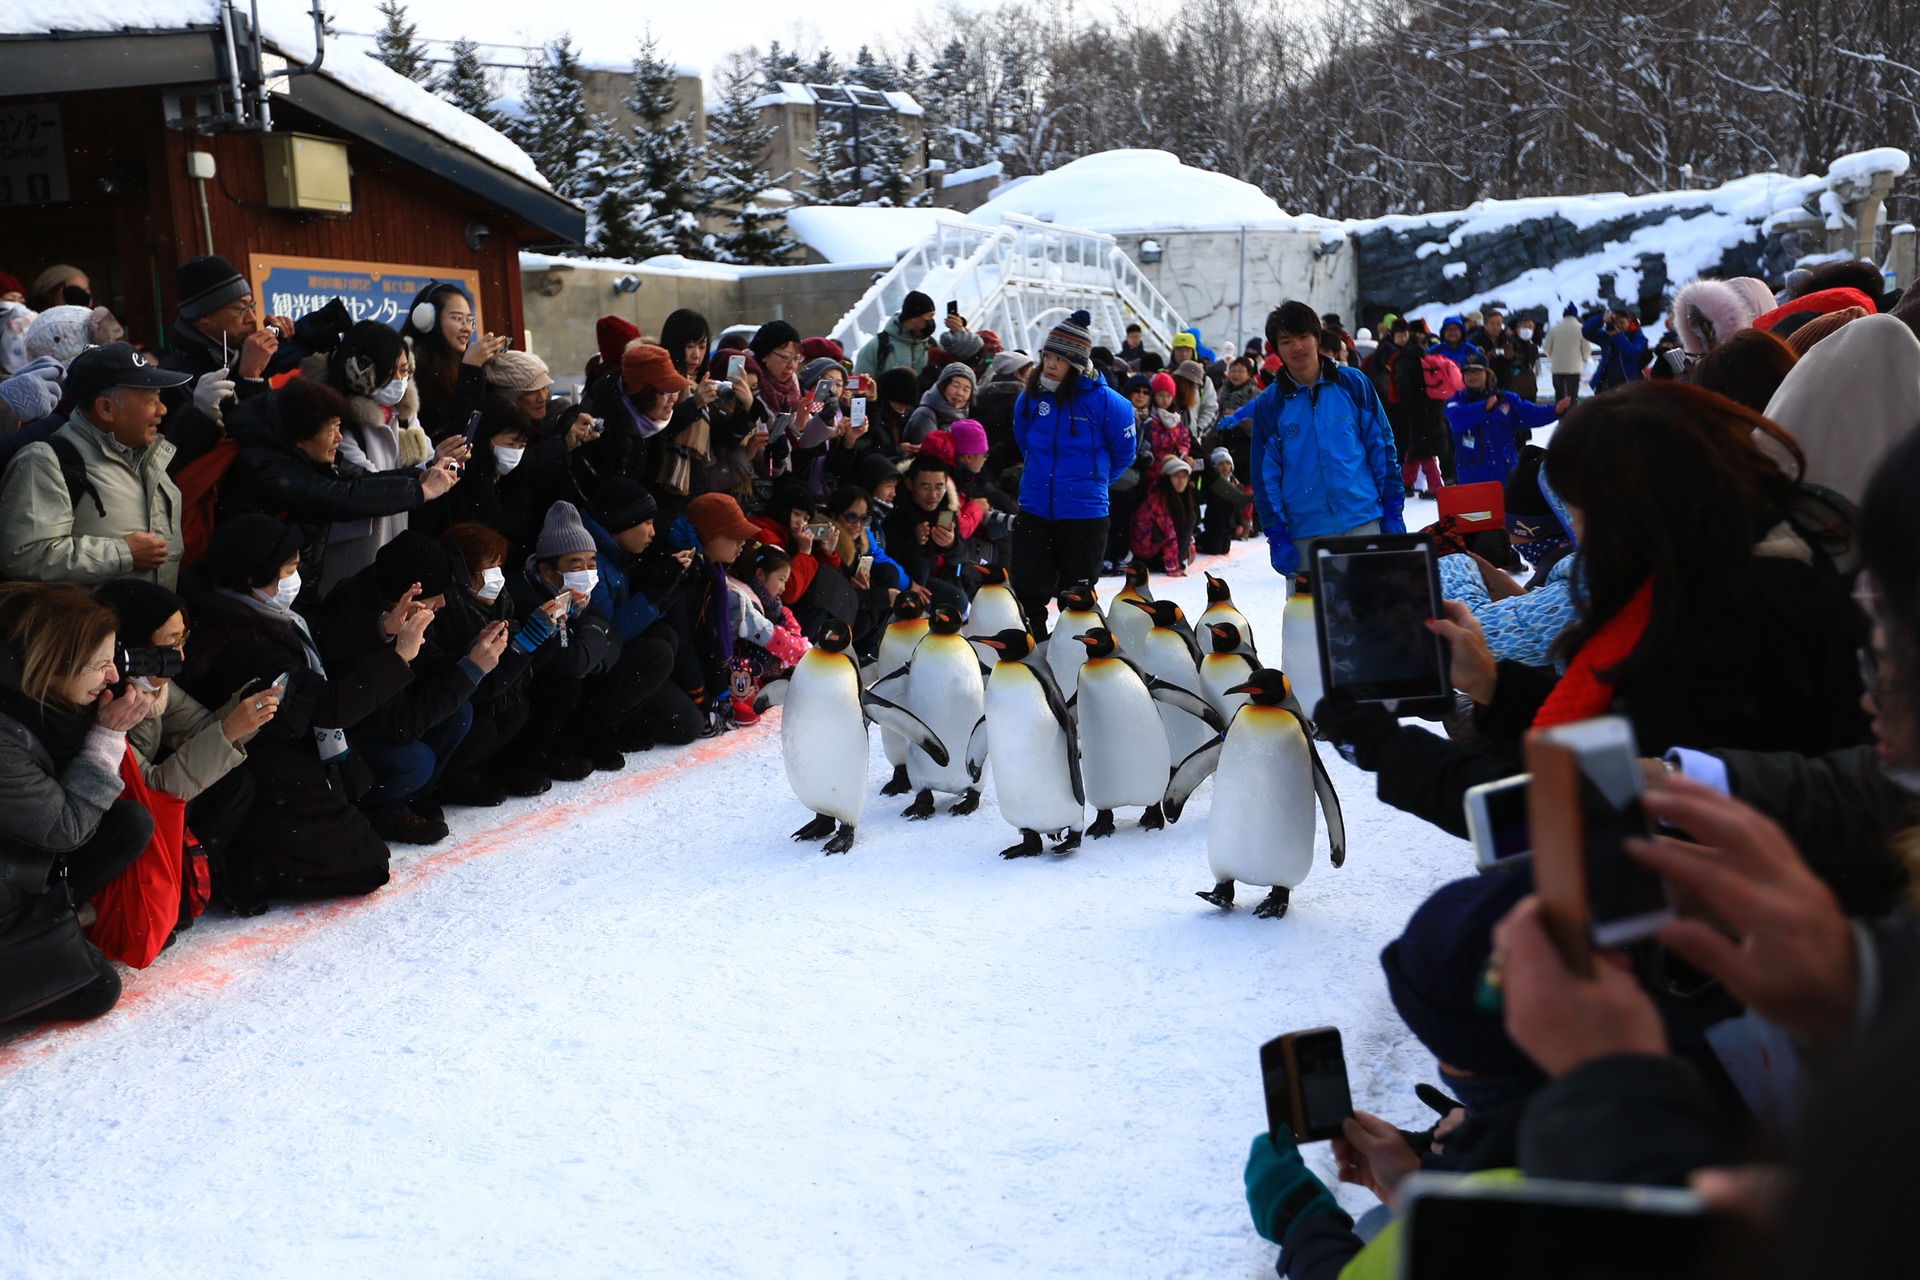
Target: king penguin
[[908, 628], [1268, 773], [1036, 764], [1224, 668], [1220, 608], [1079, 614], [1123, 747], [1170, 656], [1300, 648], [823, 734], [995, 609], [945, 691], [1130, 626]]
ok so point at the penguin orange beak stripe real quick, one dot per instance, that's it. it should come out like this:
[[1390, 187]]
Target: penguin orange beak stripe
[[991, 644], [1088, 641], [1138, 603], [1245, 688]]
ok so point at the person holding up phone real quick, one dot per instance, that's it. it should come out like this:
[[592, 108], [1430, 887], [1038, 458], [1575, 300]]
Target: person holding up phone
[[1322, 454], [1705, 613], [450, 357]]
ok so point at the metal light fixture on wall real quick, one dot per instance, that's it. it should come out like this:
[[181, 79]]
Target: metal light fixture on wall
[[477, 233], [627, 284], [1150, 251]]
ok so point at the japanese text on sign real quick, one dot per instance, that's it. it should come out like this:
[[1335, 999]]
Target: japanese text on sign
[[372, 290]]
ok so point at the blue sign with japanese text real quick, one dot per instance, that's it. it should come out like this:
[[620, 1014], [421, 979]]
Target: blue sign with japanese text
[[380, 291]]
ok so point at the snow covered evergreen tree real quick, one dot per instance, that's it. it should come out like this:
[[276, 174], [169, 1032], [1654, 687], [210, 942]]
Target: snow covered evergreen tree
[[397, 43], [553, 127], [777, 65], [648, 198], [737, 177], [466, 83], [829, 168], [892, 164]]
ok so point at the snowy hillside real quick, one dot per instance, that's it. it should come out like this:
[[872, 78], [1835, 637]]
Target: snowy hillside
[[635, 1031]]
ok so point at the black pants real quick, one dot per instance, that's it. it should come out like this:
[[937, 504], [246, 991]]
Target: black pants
[[495, 726], [609, 699], [214, 816], [123, 832], [1049, 555], [1566, 386], [553, 693]]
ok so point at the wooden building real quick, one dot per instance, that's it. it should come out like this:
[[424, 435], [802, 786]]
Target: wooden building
[[125, 152]]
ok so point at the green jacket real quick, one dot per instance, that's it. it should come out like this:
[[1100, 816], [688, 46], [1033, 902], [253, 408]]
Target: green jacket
[[46, 537]]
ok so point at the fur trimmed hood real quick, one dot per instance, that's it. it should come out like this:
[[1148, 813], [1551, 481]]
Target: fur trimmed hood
[[368, 416], [1708, 312]]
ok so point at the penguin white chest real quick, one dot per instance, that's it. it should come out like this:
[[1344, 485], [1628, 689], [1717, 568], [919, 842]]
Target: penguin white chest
[[1123, 748], [1260, 829], [1028, 751], [1220, 672], [1225, 612], [1130, 625], [823, 736], [944, 689], [994, 610], [1065, 653], [1168, 658], [896, 648], [1299, 653]]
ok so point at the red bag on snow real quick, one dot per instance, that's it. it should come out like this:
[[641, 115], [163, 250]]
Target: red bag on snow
[[139, 909]]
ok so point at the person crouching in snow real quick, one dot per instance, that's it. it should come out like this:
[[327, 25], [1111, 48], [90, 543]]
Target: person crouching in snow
[[766, 638], [1489, 425], [1163, 524], [1225, 505]]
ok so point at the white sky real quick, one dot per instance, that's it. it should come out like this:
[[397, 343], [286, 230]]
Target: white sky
[[692, 34]]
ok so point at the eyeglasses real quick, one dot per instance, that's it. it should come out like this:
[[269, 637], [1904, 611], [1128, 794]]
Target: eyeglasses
[[1869, 669], [852, 517]]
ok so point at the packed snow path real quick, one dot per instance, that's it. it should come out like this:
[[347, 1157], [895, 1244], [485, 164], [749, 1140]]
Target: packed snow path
[[636, 1031]]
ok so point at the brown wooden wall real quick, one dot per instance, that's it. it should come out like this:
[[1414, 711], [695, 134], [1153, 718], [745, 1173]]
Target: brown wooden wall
[[130, 246]]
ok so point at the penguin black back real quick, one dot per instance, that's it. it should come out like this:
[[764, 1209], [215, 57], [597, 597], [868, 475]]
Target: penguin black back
[[1099, 642], [1218, 592], [1266, 687], [1226, 637], [945, 621]]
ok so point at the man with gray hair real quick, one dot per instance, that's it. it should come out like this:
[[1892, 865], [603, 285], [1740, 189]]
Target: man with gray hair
[[92, 502]]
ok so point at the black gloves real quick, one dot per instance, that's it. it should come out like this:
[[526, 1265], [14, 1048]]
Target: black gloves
[[1357, 730]]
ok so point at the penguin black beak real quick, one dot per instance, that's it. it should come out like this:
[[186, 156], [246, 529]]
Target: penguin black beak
[[1245, 688], [991, 644], [1088, 641], [1218, 631], [1138, 603]]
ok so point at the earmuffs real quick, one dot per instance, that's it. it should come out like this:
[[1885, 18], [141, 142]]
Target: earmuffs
[[421, 319]]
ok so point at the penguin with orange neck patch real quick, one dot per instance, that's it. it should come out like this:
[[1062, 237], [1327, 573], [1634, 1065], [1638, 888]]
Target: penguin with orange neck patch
[[1036, 764], [945, 691], [1124, 759]]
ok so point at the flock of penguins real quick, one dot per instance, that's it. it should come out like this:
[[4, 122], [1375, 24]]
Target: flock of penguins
[[1115, 709]]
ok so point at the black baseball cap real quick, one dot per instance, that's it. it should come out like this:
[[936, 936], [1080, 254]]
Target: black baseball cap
[[1475, 361], [98, 370]]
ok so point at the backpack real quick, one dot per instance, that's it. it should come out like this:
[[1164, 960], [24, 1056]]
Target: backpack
[[1442, 376], [199, 485], [73, 469]]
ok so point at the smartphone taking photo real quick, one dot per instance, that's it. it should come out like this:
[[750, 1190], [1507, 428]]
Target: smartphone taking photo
[[1373, 596], [1497, 822], [736, 365], [1304, 1074]]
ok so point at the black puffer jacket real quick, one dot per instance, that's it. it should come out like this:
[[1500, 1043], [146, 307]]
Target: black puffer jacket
[[273, 477], [304, 822], [347, 626]]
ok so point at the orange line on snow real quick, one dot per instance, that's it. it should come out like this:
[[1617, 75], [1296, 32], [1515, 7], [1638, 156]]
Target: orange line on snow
[[212, 966]]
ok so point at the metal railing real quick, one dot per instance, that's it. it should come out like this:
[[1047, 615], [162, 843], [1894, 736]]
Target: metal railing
[[1019, 279]]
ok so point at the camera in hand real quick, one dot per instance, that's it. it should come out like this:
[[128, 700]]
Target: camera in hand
[[1305, 1077], [149, 661]]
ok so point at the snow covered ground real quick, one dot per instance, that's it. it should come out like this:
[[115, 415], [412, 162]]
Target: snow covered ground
[[634, 1030]]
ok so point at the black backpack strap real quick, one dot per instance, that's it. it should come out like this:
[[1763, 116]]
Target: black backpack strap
[[882, 348], [73, 469]]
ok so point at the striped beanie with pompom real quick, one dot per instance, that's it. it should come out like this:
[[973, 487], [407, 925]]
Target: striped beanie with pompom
[[1071, 341]]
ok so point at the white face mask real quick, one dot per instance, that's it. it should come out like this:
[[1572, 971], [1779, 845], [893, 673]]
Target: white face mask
[[1526, 331], [491, 580], [144, 685], [391, 394], [505, 459], [581, 580], [289, 592], [1049, 384]]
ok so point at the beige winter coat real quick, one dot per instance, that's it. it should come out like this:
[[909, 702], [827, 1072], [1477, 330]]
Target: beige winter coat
[[1566, 348], [181, 748], [44, 537]]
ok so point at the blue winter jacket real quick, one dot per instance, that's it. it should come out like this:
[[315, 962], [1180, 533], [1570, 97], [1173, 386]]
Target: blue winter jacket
[[1455, 351], [1620, 352], [1072, 448], [615, 596], [1486, 444], [1322, 458]]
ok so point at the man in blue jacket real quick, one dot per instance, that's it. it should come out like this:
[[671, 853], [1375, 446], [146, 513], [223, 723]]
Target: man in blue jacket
[[1322, 452], [1622, 347], [1489, 425], [1075, 433], [1453, 342]]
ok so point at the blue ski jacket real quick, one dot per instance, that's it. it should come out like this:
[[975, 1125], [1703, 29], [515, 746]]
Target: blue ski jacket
[[1486, 442], [1073, 447]]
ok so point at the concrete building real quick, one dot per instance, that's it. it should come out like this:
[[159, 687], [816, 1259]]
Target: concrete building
[[795, 112]]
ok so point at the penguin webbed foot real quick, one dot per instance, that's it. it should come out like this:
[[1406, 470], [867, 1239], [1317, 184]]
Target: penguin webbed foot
[[922, 807], [1153, 819], [1028, 847], [897, 785], [967, 803], [1068, 843], [1221, 895], [1102, 825], [1275, 904], [819, 828], [841, 842]]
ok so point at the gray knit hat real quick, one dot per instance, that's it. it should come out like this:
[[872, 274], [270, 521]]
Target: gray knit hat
[[1071, 341], [562, 534]]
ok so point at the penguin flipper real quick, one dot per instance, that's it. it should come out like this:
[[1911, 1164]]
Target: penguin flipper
[[1329, 802], [773, 692], [1186, 700], [884, 685], [976, 749], [1188, 775], [891, 715], [1068, 720], [867, 671]]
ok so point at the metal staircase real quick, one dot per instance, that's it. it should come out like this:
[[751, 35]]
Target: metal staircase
[[1019, 279]]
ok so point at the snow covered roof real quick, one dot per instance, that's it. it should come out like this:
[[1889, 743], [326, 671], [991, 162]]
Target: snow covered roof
[[1121, 191], [856, 235], [786, 93], [979, 173], [287, 26]]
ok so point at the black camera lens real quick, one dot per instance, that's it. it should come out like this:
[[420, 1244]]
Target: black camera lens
[[150, 662]]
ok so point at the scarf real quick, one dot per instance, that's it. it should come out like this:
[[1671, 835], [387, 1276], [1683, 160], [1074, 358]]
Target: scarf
[[1584, 692], [60, 726]]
